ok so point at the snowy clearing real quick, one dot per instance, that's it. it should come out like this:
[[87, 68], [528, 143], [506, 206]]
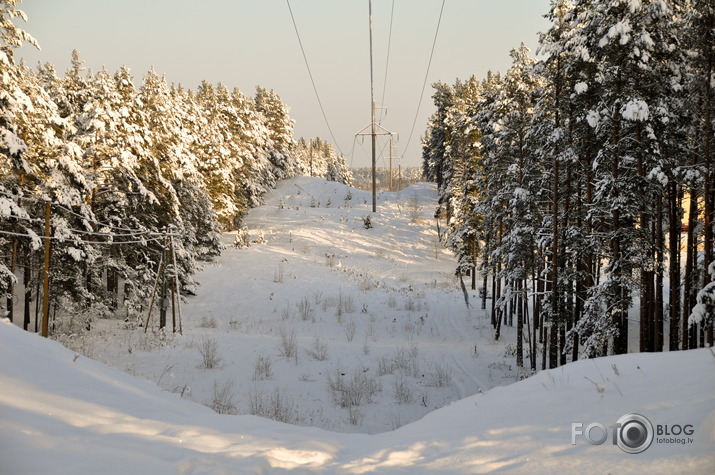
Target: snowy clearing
[[358, 338]]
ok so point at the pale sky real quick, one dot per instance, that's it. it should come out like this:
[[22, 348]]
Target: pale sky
[[245, 43]]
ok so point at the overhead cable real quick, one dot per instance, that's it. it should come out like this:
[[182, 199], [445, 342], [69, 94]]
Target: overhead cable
[[424, 84], [387, 61], [315, 88]]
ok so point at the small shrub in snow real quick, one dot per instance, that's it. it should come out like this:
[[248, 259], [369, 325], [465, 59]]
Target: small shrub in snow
[[405, 361], [367, 284], [330, 259], [367, 222], [306, 310], [319, 350], [371, 333], [286, 313], [414, 208], [365, 348], [317, 297], [207, 322], [403, 390], [384, 366], [350, 331], [242, 239], [182, 390], [278, 274], [277, 406], [440, 376], [355, 417], [210, 358], [288, 346], [351, 391], [262, 369], [222, 400], [345, 304], [261, 239]]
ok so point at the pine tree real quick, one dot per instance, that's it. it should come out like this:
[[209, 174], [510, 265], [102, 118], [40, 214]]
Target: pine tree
[[13, 164], [280, 132], [700, 29]]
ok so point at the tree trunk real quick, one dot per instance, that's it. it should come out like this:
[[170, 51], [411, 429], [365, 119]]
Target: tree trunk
[[11, 283], [26, 282], [689, 276], [519, 324], [674, 220], [486, 274], [658, 298], [708, 192]]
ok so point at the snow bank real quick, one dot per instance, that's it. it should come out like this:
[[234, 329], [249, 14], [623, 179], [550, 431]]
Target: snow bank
[[64, 414]]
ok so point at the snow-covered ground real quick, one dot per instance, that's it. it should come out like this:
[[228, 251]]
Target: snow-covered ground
[[379, 339], [375, 314]]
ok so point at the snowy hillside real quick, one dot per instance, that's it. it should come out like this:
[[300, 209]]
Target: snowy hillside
[[352, 329], [333, 328]]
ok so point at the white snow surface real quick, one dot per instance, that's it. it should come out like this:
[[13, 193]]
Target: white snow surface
[[62, 413]]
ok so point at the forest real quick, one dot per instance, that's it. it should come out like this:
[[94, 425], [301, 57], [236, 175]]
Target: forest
[[578, 185], [107, 188]]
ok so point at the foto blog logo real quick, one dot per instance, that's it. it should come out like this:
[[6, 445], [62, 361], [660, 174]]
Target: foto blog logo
[[633, 433]]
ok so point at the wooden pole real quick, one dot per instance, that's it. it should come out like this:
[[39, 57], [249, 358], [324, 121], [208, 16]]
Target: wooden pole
[[153, 293], [46, 276], [173, 286], [11, 288], [176, 283], [372, 124]]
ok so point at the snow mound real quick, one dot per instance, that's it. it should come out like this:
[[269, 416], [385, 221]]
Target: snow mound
[[65, 414]]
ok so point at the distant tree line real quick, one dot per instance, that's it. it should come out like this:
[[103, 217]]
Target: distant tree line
[[120, 169], [316, 157], [402, 177], [579, 185]]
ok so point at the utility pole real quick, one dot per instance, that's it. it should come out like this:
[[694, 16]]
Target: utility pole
[[373, 126]]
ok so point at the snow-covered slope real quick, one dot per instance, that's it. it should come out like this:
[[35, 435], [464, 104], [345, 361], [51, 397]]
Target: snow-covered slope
[[63, 414], [380, 342], [378, 308]]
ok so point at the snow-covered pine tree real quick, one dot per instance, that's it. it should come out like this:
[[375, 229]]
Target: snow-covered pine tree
[[700, 40], [253, 141], [13, 165], [435, 141], [218, 158], [56, 175], [280, 132], [623, 45], [190, 214]]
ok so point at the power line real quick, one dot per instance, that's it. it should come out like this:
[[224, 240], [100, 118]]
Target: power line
[[387, 61], [71, 241], [424, 84], [128, 232], [305, 58]]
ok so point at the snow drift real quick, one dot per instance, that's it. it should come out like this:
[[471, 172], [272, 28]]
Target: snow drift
[[61, 413]]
